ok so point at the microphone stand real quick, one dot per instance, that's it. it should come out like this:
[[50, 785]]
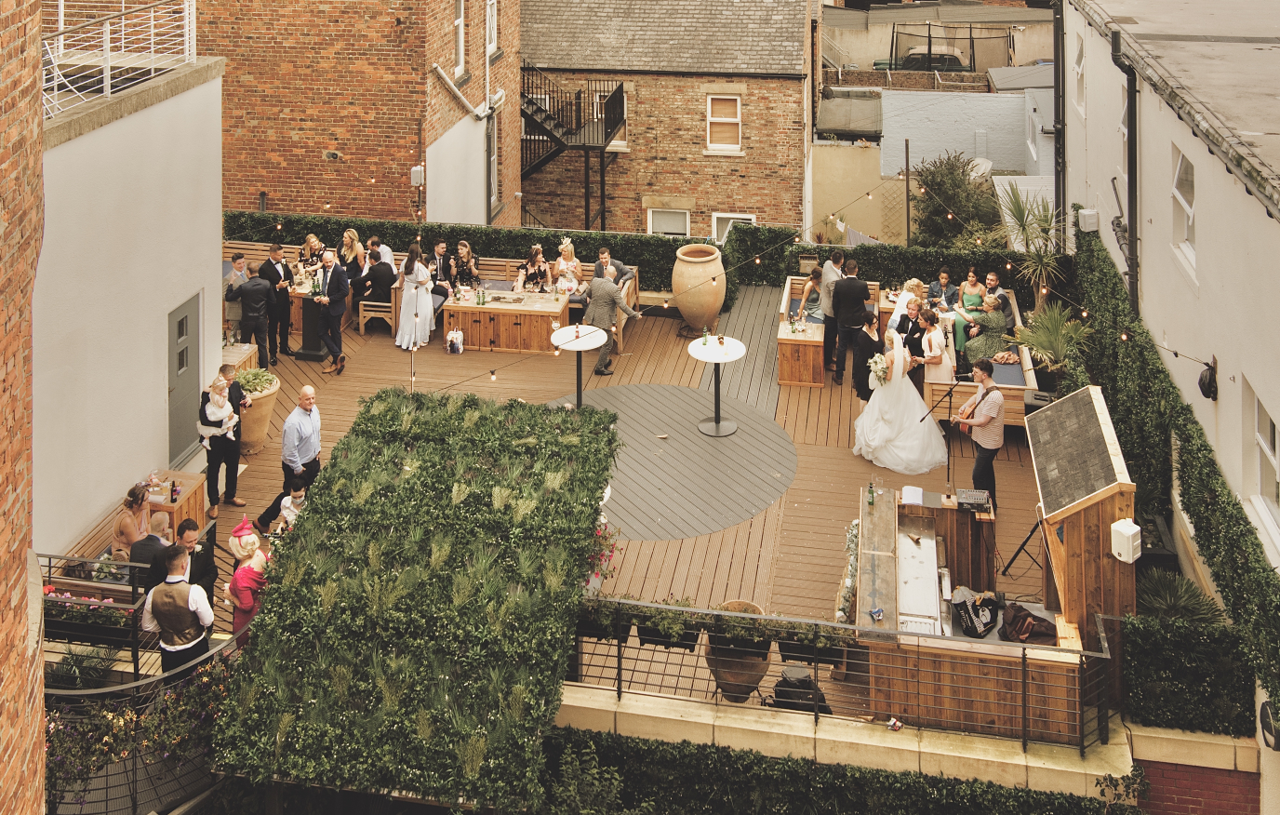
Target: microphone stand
[[946, 433]]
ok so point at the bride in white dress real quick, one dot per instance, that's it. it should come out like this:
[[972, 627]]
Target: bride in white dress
[[889, 432], [415, 299]]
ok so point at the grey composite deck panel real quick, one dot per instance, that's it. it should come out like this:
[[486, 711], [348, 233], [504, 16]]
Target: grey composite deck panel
[[689, 484], [754, 378]]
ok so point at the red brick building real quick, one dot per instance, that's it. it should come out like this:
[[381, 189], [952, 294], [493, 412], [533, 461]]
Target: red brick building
[[22, 189], [329, 105], [717, 118]]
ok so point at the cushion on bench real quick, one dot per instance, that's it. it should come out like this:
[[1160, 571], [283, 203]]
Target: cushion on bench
[[1008, 374]]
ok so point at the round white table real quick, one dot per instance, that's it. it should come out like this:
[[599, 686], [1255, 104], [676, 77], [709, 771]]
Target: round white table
[[579, 338], [717, 350]]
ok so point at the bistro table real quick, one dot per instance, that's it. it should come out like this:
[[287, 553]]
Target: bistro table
[[717, 350], [579, 338]]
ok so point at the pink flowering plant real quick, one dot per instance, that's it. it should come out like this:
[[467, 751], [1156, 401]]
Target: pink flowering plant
[[99, 611]]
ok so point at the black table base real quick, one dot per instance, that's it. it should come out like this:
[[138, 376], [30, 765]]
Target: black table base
[[712, 425], [312, 349]]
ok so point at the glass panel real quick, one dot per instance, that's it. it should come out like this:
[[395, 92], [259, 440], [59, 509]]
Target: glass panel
[[1268, 486], [669, 222], [724, 107], [1185, 183], [182, 328], [1266, 429], [723, 133], [182, 360]]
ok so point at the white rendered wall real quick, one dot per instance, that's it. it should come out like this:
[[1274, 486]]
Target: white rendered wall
[[133, 229], [456, 186], [1187, 306], [980, 125], [1038, 103]]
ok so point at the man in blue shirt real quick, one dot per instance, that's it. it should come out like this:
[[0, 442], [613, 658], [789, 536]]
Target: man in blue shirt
[[299, 451]]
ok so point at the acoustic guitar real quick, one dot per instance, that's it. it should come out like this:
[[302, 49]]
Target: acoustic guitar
[[968, 414]]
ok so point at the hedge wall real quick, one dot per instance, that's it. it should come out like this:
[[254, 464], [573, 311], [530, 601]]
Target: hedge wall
[[1148, 412], [419, 618], [654, 254], [608, 774], [1191, 676]]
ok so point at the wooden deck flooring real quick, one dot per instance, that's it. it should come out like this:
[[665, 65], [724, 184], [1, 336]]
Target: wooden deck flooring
[[788, 558]]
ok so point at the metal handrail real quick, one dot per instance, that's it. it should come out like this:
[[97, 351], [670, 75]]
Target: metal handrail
[[104, 19]]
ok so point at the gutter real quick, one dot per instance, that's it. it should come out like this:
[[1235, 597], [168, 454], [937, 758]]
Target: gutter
[[1131, 124], [1258, 179], [479, 115], [1060, 120]]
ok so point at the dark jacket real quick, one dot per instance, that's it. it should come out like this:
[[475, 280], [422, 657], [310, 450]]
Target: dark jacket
[[204, 571], [849, 302], [379, 279], [337, 290], [912, 332], [254, 296], [446, 273], [625, 272], [268, 273], [146, 551]]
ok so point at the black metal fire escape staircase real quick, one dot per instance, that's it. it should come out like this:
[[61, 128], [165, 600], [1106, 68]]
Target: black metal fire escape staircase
[[556, 120]]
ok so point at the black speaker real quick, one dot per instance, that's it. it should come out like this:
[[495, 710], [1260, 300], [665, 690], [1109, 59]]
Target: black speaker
[[1034, 400]]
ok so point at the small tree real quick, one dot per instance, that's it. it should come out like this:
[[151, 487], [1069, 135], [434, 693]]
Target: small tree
[[952, 200], [1050, 334], [1032, 227]]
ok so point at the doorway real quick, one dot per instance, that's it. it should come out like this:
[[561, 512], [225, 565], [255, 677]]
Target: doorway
[[184, 380]]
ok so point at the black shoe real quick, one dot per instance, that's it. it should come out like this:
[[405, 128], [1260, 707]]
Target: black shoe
[[342, 364], [608, 364], [604, 373], [288, 352], [838, 380], [275, 361]]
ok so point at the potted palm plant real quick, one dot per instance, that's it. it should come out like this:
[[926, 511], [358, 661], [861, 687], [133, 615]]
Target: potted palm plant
[[1032, 226], [1049, 336]]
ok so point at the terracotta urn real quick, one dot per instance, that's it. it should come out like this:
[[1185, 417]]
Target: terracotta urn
[[256, 421], [737, 666], [698, 299]]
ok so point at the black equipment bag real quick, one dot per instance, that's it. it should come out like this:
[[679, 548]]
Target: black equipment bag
[[974, 614], [796, 690], [1020, 625]]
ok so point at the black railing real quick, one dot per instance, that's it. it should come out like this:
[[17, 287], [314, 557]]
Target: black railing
[[586, 116], [1026, 693]]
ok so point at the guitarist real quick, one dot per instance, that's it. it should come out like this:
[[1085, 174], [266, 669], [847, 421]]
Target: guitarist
[[983, 417]]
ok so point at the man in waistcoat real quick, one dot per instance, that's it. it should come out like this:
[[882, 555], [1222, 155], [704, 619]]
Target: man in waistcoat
[[180, 612]]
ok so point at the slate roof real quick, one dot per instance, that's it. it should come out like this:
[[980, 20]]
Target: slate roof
[[666, 36]]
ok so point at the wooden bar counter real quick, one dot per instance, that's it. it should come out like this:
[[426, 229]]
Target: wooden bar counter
[[517, 323], [800, 355]]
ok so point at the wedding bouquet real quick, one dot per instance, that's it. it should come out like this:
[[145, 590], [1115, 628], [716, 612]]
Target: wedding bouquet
[[879, 371]]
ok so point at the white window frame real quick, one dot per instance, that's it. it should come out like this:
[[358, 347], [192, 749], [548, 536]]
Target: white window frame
[[717, 217], [1184, 213], [1268, 452], [649, 218], [616, 144], [494, 186], [1077, 67], [459, 38], [724, 148], [490, 27]]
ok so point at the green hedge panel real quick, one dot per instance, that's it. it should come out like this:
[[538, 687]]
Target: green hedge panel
[[1194, 677]]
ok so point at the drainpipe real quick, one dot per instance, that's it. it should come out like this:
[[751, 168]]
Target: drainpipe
[[1060, 121], [1122, 62]]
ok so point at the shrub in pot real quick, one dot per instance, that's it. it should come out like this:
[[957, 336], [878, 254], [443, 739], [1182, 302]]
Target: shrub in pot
[[262, 387], [670, 628]]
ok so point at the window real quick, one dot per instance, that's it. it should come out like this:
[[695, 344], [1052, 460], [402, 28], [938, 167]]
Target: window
[[183, 331], [724, 123], [494, 191], [183, 357], [1078, 68], [490, 26], [670, 222], [459, 38], [1268, 468], [722, 221], [1184, 202], [619, 141]]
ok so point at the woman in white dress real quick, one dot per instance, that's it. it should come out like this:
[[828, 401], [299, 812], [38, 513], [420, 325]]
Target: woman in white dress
[[889, 432], [912, 288], [417, 317], [937, 365]]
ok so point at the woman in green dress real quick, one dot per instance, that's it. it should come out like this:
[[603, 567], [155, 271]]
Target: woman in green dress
[[989, 320], [971, 294]]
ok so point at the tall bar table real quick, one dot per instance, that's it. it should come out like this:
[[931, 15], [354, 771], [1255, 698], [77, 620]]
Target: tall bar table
[[718, 350], [579, 338]]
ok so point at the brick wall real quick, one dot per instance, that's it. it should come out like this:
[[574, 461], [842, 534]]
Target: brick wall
[[1180, 789], [22, 193], [321, 97], [666, 134]]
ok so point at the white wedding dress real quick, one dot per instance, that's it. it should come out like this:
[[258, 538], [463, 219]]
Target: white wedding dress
[[416, 300], [889, 432]]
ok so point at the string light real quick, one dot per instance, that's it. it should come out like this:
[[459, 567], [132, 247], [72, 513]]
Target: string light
[[868, 196], [493, 374], [922, 190], [372, 180], [899, 176], [1044, 289], [713, 279], [1124, 336], [557, 351], [1008, 266], [279, 227], [979, 241], [666, 303], [948, 216], [757, 262], [326, 204], [1084, 312]]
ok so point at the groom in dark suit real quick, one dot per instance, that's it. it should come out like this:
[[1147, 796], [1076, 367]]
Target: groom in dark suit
[[333, 282], [202, 569], [911, 330], [849, 298]]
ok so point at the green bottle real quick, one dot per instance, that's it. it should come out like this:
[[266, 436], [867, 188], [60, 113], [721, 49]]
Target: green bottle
[[871, 494], [704, 335]]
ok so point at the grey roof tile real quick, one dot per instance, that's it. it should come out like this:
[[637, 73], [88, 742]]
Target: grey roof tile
[[694, 36]]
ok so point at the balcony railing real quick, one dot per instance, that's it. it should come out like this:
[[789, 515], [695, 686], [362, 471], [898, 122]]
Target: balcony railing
[[92, 49], [987, 687]]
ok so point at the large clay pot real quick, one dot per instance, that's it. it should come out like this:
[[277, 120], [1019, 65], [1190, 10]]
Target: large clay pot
[[255, 421], [738, 668], [697, 298]]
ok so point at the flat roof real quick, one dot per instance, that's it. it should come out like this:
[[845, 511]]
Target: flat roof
[[1021, 78], [1219, 59]]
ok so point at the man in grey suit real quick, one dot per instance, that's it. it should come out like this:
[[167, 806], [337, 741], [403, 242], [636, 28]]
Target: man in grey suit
[[605, 300], [624, 273]]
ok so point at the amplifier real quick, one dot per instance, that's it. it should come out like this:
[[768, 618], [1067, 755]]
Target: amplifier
[[974, 500], [1034, 400]]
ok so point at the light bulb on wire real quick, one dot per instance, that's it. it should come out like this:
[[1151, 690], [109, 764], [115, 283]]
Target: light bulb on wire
[[326, 204], [757, 260], [948, 216], [1124, 336], [279, 227], [493, 375], [713, 279], [1084, 313], [557, 351], [666, 303]]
